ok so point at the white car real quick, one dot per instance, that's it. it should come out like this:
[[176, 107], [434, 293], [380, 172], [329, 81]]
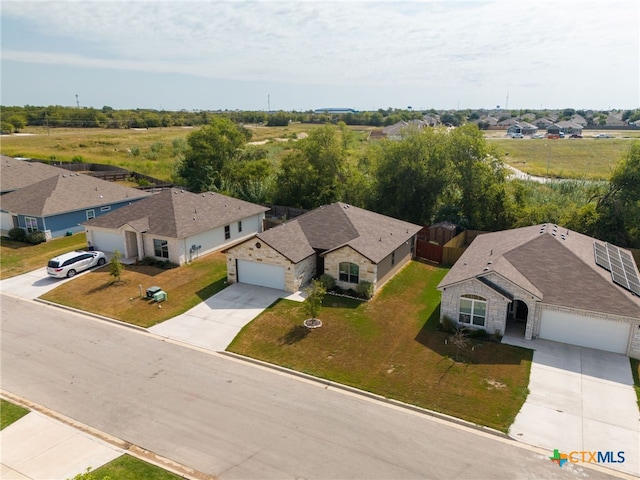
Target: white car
[[68, 264]]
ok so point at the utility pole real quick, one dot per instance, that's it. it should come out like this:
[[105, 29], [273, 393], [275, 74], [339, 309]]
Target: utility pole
[[77, 102], [268, 103]]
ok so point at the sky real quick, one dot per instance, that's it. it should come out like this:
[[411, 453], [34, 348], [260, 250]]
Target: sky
[[303, 55]]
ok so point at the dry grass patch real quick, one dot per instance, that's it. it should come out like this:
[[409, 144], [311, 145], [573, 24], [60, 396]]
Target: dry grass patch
[[186, 286], [392, 346]]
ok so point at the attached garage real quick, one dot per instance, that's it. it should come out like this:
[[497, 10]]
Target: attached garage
[[262, 274], [107, 241], [589, 332]]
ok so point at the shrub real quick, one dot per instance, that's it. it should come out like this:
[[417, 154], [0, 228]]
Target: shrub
[[327, 281], [447, 324], [365, 289], [77, 159], [36, 237], [135, 150], [6, 128], [17, 234], [477, 333]]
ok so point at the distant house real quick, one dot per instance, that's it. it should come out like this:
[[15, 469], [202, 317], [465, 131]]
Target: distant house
[[544, 123], [615, 120], [175, 225], [565, 128], [59, 204], [522, 128], [395, 131], [580, 120], [548, 282], [348, 243]]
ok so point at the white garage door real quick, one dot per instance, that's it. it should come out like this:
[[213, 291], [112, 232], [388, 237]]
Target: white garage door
[[262, 274], [585, 331], [107, 241]]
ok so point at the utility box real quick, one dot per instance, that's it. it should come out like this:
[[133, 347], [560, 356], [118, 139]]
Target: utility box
[[151, 291], [160, 296]]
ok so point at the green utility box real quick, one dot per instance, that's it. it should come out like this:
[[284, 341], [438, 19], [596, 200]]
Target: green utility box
[[160, 296]]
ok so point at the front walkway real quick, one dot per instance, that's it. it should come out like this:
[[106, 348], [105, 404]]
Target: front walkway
[[214, 323], [580, 399]]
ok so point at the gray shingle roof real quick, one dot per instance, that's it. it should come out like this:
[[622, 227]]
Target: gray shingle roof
[[67, 193], [559, 271], [17, 174], [337, 225], [177, 213]]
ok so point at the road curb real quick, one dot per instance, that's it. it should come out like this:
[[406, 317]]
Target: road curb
[[90, 314], [370, 395]]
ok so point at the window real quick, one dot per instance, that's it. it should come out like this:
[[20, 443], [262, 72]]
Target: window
[[105, 209], [31, 223], [91, 214], [227, 232], [393, 258], [473, 310], [161, 248], [239, 226], [349, 272]]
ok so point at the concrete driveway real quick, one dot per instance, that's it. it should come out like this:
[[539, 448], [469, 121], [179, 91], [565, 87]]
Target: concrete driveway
[[32, 284], [580, 399], [214, 323]]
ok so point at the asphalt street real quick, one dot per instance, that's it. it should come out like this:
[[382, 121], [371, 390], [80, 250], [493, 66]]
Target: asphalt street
[[235, 420]]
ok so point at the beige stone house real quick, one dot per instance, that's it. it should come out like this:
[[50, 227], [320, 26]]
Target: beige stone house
[[349, 243], [547, 282]]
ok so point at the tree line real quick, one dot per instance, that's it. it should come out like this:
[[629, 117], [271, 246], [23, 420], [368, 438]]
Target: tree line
[[428, 175]]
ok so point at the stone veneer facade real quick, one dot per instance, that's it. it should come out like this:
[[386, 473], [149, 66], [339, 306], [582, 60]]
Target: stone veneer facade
[[368, 270], [497, 306], [295, 275]]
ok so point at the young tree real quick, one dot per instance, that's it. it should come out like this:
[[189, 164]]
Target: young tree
[[115, 266], [210, 149], [315, 294]]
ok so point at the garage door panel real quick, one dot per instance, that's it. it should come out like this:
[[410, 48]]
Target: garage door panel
[[589, 332], [262, 274], [108, 241]]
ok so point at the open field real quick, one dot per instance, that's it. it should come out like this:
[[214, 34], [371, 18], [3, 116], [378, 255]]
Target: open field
[[391, 346], [565, 158], [154, 152]]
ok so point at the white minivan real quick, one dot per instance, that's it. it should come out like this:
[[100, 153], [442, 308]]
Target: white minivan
[[68, 264]]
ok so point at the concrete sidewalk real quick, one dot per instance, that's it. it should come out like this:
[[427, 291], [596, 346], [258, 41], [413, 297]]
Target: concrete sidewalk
[[214, 323], [39, 447], [580, 399]]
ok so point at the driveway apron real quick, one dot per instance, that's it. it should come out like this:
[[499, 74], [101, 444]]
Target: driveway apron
[[580, 399], [214, 323]]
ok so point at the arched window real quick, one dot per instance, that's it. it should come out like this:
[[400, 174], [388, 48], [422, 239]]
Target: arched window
[[473, 310], [349, 272]]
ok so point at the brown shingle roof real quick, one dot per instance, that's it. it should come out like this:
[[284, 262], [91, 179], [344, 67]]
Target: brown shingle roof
[[554, 264], [337, 225], [67, 193], [17, 174], [177, 213]]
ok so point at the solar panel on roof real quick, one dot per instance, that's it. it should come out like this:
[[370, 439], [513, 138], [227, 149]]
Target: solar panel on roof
[[623, 269], [602, 257]]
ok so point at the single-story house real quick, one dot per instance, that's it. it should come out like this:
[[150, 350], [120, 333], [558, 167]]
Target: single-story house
[[523, 128], [59, 204], [348, 243], [397, 130], [175, 225], [547, 282], [565, 127]]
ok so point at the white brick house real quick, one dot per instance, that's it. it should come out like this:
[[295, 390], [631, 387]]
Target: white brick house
[[545, 281], [348, 243]]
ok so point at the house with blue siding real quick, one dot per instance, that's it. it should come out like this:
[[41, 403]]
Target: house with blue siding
[[60, 204]]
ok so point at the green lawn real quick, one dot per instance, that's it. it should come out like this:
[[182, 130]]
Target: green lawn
[[635, 371], [10, 413], [186, 286], [392, 346], [127, 467], [18, 257]]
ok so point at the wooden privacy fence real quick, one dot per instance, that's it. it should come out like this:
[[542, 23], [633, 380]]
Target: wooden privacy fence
[[450, 252]]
